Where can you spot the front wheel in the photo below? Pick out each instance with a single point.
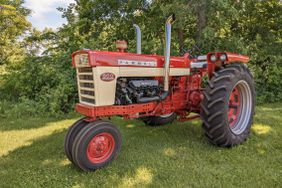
(96, 145)
(228, 106)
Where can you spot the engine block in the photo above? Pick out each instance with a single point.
(130, 91)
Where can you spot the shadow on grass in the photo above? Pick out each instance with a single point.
(8, 124)
(14, 139)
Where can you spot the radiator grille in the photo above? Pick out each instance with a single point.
(86, 89)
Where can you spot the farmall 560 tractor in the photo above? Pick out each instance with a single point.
(157, 90)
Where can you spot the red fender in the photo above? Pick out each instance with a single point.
(231, 57)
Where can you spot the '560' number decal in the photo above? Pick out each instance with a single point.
(107, 76)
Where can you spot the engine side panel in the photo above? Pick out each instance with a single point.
(105, 91)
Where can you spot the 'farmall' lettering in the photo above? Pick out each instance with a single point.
(137, 63)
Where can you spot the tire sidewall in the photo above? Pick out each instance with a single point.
(70, 136)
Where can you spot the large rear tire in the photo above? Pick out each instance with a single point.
(228, 106)
(96, 145)
(160, 120)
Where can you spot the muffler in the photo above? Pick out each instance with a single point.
(169, 22)
(165, 93)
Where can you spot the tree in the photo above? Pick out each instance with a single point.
(13, 24)
(45, 76)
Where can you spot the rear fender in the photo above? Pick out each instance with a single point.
(231, 58)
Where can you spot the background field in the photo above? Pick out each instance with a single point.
(31, 155)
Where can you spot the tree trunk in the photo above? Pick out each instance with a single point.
(201, 19)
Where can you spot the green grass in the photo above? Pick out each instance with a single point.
(31, 155)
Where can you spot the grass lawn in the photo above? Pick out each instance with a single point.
(178, 155)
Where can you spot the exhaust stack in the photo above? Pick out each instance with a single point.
(169, 22)
(165, 93)
(138, 35)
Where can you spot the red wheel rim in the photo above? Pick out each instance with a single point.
(234, 107)
(100, 148)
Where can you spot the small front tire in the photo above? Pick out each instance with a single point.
(96, 145)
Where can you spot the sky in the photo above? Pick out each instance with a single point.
(44, 12)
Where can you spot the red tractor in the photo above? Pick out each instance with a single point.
(217, 87)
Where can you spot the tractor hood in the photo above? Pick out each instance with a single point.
(100, 58)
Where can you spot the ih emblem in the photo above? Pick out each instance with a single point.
(107, 76)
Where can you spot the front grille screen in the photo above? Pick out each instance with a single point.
(86, 87)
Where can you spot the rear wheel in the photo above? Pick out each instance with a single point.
(160, 120)
(228, 106)
(96, 145)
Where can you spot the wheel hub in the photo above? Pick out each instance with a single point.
(240, 107)
(100, 148)
(234, 107)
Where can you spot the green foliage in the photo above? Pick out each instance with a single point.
(37, 69)
(268, 79)
(24, 108)
(13, 23)
(44, 81)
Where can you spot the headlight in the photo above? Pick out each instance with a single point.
(223, 57)
(213, 58)
(81, 60)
